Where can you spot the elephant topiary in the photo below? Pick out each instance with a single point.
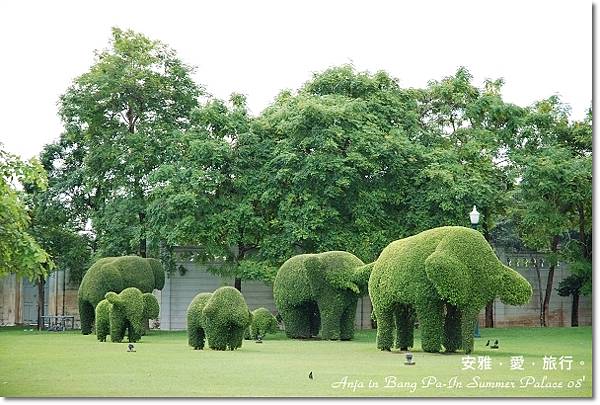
(220, 317)
(444, 277)
(319, 292)
(263, 322)
(115, 274)
(123, 313)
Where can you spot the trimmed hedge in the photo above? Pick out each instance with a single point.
(447, 275)
(263, 322)
(319, 292)
(126, 314)
(221, 318)
(115, 274)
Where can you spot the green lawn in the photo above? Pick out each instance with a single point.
(69, 364)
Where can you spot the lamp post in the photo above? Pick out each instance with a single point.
(474, 217)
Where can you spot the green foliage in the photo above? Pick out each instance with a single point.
(112, 274)
(447, 275)
(121, 118)
(196, 321)
(263, 322)
(221, 317)
(151, 306)
(209, 195)
(317, 292)
(127, 314)
(19, 252)
(103, 320)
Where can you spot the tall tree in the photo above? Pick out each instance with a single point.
(467, 131)
(342, 164)
(120, 118)
(20, 253)
(556, 183)
(209, 194)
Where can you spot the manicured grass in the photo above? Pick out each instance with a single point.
(69, 364)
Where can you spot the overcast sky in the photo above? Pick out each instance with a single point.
(540, 48)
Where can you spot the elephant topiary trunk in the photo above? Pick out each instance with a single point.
(318, 293)
(443, 277)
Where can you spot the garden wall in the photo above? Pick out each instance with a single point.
(18, 297)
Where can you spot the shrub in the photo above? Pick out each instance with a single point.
(126, 314)
(319, 292)
(263, 322)
(447, 275)
(115, 274)
(221, 318)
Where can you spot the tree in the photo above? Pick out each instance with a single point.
(208, 195)
(20, 253)
(556, 184)
(341, 165)
(467, 131)
(120, 118)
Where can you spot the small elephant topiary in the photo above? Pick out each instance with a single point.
(443, 277)
(220, 317)
(115, 274)
(263, 322)
(319, 292)
(124, 313)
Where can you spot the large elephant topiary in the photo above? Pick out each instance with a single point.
(444, 276)
(115, 274)
(124, 313)
(220, 317)
(319, 292)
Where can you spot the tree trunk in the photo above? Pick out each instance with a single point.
(539, 282)
(40, 302)
(575, 310)
(550, 283)
(142, 249)
(585, 249)
(238, 284)
(489, 314)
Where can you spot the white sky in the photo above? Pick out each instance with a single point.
(258, 48)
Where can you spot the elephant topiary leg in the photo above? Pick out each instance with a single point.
(385, 328)
(314, 319)
(431, 320)
(102, 320)
(347, 321)
(297, 321)
(468, 321)
(452, 329)
(86, 314)
(118, 326)
(134, 331)
(196, 337)
(236, 337)
(405, 326)
(331, 309)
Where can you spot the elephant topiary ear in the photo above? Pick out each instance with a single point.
(113, 298)
(514, 289)
(450, 277)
